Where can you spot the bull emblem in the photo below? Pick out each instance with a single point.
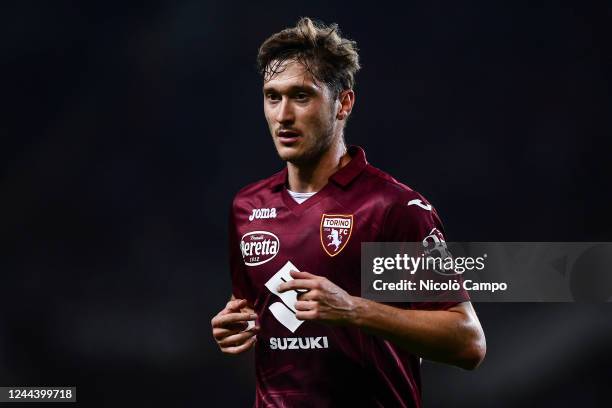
(336, 240)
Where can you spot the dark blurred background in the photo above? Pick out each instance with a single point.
(128, 127)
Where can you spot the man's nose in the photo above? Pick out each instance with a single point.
(285, 112)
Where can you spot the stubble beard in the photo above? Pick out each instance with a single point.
(320, 145)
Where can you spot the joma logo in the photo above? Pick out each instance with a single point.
(259, 213)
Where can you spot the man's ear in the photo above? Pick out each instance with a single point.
(346, 101)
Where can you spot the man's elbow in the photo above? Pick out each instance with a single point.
(474, 352)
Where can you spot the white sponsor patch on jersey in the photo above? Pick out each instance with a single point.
(419, 203)
(258, 247)
(434, 241)
(435, 247)
(284, 311)
(262, 213)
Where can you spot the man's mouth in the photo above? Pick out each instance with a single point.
(288, 136)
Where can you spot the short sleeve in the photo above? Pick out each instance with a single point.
(416, 220)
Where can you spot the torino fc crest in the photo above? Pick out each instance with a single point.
(335, 232)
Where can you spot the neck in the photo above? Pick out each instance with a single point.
(312, 177)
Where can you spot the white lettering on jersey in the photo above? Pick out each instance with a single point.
(419, 203)
(298, 343)
(337, 222)
(259, 213)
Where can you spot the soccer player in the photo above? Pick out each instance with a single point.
(295, 241)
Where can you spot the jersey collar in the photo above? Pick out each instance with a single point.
(342, 177)
(348, 173)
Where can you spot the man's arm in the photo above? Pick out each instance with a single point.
(453, 336)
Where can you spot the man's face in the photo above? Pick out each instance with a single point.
(301, 113)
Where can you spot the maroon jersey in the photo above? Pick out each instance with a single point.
(305, 363)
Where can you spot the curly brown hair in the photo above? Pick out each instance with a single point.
(327, 56)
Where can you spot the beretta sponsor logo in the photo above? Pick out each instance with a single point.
(258, 247)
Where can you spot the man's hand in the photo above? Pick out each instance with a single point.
(319, 299)
(229, 324)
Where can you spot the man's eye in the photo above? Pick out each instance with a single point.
(273, 97)
(301, 96)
